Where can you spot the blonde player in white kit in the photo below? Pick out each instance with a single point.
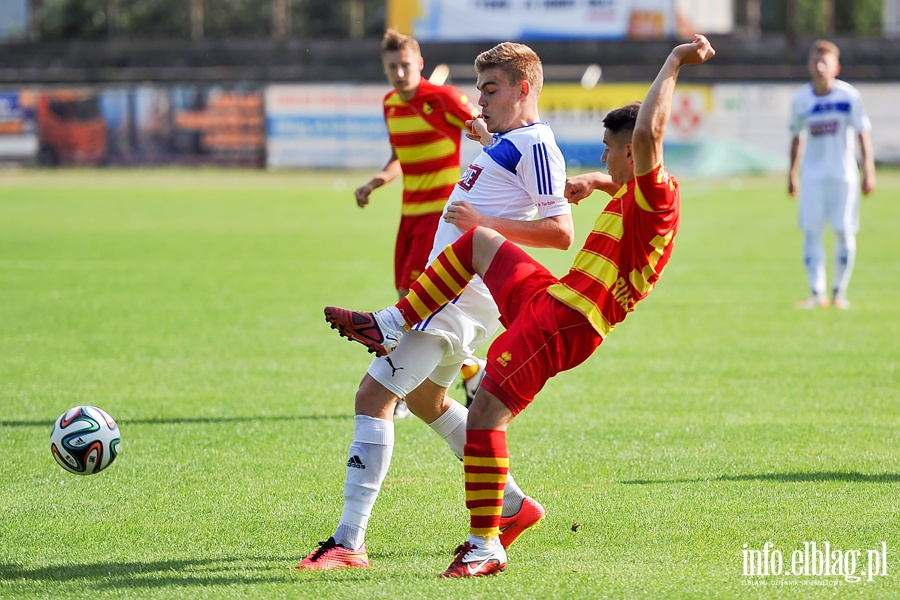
(518, 176)
(826, 113)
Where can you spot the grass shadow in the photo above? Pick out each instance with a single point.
(814, 476)
(223, 571)
(210, 571)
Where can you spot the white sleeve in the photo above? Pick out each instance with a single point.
(543, 172)
(861, 121)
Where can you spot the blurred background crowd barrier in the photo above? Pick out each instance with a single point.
(292, 84)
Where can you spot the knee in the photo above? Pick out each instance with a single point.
(373, 400)
(845, 238)
(428, 401)
(812, 237)
(485, 234)
(488, 412)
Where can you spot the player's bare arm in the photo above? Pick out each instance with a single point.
(552, 232)
(647, 139)
(388, 173)
(794, 172)
(868, 158)
(579, 187)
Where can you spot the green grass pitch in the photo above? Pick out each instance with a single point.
(188, 304)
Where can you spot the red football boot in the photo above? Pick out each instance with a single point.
(372, 330)
(472, 561)
(529, 516)
(331, 555)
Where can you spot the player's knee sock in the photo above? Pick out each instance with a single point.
(486, 464)
(442, 281)
(367, 464)
(452, 427)
(844, 258)
(814, 260)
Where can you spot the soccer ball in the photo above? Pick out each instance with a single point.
(84, 440)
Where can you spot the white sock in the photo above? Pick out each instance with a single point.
(814, 259)
(482, 542)
(844, 258)
(367, 464)
(393, 314)
(513, 496)
(452, 427)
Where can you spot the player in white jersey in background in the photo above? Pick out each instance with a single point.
(518, 176)
(825, 115)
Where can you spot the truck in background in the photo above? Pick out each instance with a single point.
(71, 128)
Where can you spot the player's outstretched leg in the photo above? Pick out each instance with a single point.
(442, 281)
(486, 465)
(380, 331)
(519, 512)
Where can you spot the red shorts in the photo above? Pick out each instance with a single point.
(543, 336)
(415, 238)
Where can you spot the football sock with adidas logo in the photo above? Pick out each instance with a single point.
(442, 281)
(367, 464)
(485, 464)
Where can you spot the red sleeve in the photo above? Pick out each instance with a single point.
(458, 104)
(656, 191)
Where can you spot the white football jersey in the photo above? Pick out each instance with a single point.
(830, 124)
(522, 174)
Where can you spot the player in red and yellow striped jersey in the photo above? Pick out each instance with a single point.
(552, 324)
(425, 124)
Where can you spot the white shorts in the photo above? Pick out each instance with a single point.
(436, 348)
(836, 201)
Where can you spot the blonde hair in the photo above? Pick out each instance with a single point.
(825, 47)
(394, 41)
(517, 61)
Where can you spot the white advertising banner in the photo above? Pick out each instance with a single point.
(717, 130)
(326, 126)
(473, 20)
(332, 127)
(18, 129)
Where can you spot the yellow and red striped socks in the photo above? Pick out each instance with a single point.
(486, 463)
(442, 281)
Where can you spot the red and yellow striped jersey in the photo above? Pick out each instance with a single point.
(626, 251)
(426, 133)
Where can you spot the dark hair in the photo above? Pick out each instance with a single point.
(394, 40)
(622, 119)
